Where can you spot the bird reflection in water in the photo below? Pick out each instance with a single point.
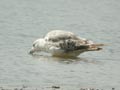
(65, 60)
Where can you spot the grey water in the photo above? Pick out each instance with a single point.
(23, 21)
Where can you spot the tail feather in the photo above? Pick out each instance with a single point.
(95, 47)
(92, 47)
(98, 45)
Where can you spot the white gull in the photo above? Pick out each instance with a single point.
(63, 44)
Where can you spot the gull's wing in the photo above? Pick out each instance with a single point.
(78, 45)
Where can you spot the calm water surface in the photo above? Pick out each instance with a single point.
(23, 21)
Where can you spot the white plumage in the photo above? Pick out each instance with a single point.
(64, 44)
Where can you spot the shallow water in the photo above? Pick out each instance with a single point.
(23, 21)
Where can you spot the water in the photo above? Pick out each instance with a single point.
(23, 21)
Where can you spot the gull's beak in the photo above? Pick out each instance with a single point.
(32, 50)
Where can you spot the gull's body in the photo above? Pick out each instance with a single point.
(64, 44)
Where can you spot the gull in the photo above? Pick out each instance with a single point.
(64, 44)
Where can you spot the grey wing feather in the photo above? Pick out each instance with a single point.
(71, 45)
(58, 35)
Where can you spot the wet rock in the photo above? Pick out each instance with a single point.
(56, 87)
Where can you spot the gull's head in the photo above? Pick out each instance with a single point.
(38, 45)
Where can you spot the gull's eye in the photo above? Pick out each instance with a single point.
(34, 45)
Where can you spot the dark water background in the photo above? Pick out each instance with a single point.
(23, 21)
